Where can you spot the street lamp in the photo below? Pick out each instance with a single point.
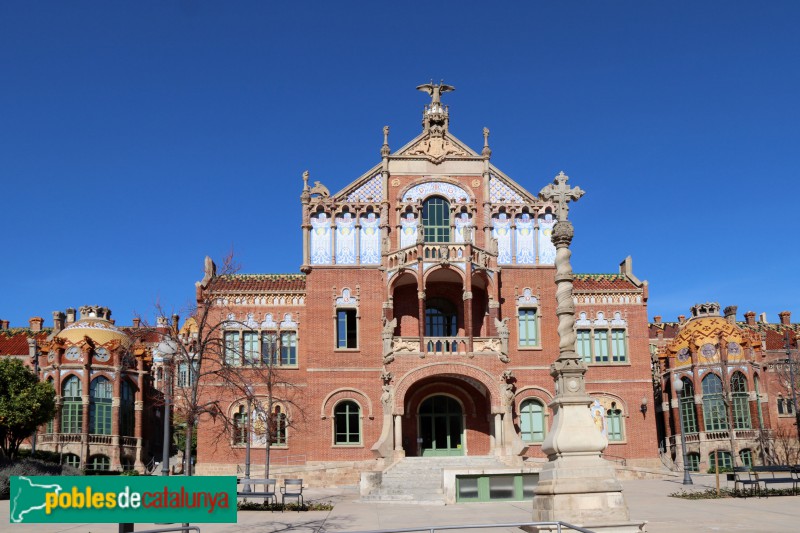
(677, 386)
(33, 351)
(167, 349)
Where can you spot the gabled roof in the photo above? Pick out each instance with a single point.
(259, 283)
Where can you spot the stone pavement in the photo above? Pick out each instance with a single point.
(647, 499)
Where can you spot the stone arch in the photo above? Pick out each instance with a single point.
(425, 275)
(532, 392)
(434, 389)
(605, 398)
(416, 375)
(345, 393)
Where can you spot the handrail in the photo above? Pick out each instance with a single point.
(559, 525)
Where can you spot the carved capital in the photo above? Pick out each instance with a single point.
(467, 295)
(562, 233)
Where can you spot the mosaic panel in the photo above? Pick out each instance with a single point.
(371, 191)
(423, 190)
(500, 192)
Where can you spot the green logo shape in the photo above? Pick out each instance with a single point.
(106, 499)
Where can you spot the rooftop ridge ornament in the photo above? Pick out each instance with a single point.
(435, 116)
(561, 194)
(435, 91)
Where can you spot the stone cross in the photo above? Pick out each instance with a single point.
(561, 194)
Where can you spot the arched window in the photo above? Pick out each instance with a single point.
(72, 406)
(531, 421)
(746, 457)
(713, 404)
(126, 409)
(100, 406)
(687, 407)
(347, 423)
(99, 462)
(614, 423)
(72, 460)
(741, 407)
(693, 462)
(436, 219)
(240, 429)
(440, 318)
(280, 423)
(724, 460)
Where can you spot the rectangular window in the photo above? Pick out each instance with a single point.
(584, 345)
(527, 328)
(269, 348)
(240, 428)
(600, 346)
(72, 417)
(251, 355)
(232, 349)
(346, 335)
(693, 462)
(183, 375)
(289, 348)
(619, 353)
(614, 424)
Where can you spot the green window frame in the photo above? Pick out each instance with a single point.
(100, 406)
(714, 413)
(233, 351)
(687, 407)
(746, 457)
(346, 329)
(693, 462)
(528, 327)
(600, 346)
(441, 318)
(126, 409)
(347, 423)
(496, 487)
(725, 460)
(532, 420)
(99, 463)
(72, 406)
(269, 348)
(614, 427)
(619, 350)
(436, 219)
(281, 424)
(289, 348)
(584, 344)
(72, 460)
(251, 347)
(741, 402)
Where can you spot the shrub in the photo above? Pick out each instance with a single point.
(30, 467)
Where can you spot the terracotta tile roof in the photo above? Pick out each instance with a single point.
(259, 282)
(14, 341)
(776, 340)
(595, 282)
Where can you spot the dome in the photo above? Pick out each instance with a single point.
(95, 324)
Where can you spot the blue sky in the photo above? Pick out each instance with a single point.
(138, 137)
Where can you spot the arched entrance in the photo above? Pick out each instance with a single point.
(441, 426)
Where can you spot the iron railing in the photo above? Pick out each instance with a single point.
(559, 527)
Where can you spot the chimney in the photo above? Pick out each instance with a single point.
(175, 320)
(750, 318)
(786, 318)
(730, 314)
(36, 323)
(137, 322)
(58, 321)
(3, 324)
(657, 319)
(681, 319)
(70, 315)
(763, 318)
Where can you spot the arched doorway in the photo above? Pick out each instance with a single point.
(441, 426)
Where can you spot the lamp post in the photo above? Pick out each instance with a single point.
(167, 348)
(33, 351)
(677, 386)
(249, 391)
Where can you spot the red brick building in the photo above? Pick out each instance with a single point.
(424, 321)
(736, 400)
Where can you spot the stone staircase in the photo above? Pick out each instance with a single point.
(419, 479)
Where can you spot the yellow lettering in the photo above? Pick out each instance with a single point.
(111, 500)
(97, 499)
(64, 500)
(50, 501)
(77, 498)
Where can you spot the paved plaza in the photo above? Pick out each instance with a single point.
(647, 499)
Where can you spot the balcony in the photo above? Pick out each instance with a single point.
(77, 438)
(722, 435)
(441, 346)
(442, 251)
